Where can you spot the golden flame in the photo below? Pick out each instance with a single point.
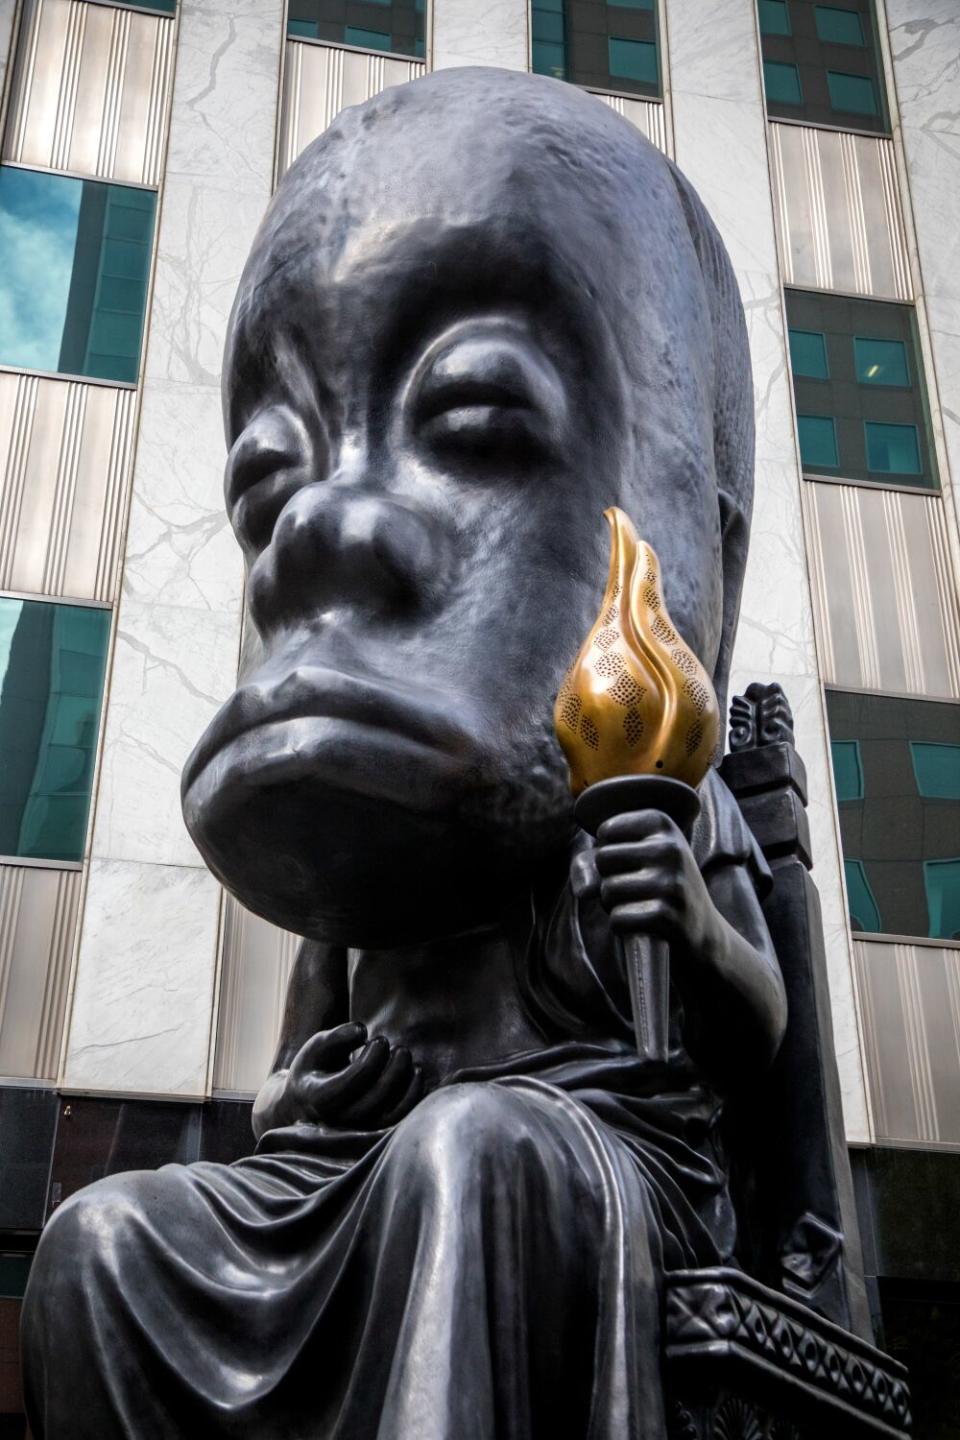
(636, 700)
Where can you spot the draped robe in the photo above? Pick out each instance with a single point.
(491, 1266)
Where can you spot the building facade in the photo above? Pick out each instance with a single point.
(139, 146)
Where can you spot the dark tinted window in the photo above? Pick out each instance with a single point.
(370, 24)
(861, 407)
(821, 63)
(897, 770)
(52, 660)
(605, 47)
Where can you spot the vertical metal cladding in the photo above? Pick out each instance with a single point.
(884, 590)
(647, 115)
(65, 456)
(910, 1000)
(320, 81)
(838, 213)
(256, 964)
(90, 90)
(38, 913)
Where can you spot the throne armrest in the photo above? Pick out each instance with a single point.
(728, 1334)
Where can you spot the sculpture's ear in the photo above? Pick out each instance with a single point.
(734, 539)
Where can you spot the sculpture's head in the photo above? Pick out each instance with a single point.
(481, 308)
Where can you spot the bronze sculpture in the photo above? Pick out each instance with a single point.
(480, 308)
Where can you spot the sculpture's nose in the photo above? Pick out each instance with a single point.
(342, 542)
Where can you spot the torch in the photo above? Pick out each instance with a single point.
(638, 721)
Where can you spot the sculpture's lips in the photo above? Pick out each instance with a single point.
(323, 694)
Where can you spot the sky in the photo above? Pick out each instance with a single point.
(38, 231)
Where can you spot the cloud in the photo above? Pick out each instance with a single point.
(38, 231)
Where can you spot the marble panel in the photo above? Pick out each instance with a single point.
(8, 9)
(224, 104)
(173, 667)
(772, 391)
(205, 236)
(925, 45)
(711, 58)
(180, 548)
(143, 1001)
(481, 32)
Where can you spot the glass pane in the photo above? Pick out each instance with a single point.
(395, 26)
(548, 59)
(864, 912)
(818, 441)
(163, 7)
(633, 60)
(856, 94)
(847, 770)
(903, 831)
(881, 362)
(63, 243)
(782, 82)
(838, 27)
(808, 354)
(631, 4)
(774, 17)
(942, 881)
(937, 768)
(893, 449)
(369, 39)
(52, 661)
(548, 26)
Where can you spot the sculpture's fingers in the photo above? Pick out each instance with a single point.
(634, 825)
(328, 1049)
(346, 1087)
(405, 1104)
(386, 1090)
(637, 855)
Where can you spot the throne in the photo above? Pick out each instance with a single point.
(782, 1349)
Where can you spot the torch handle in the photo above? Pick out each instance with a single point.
(647, 960)
(647, 957)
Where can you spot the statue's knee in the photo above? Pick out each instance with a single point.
(464, 1133)
(81, 1238)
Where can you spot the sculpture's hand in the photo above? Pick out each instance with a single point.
(651, 884)
(324, 1085)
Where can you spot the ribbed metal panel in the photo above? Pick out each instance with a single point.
(910, 1002)
(647, 115)
(65, 453)
(255, 966)
(884, 592)
(837, 208)
(320, 81)
(90, 90)
(38, 916)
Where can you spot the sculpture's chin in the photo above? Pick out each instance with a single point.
(351, 838)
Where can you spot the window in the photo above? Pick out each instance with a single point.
(855, 94)
(847, 770)
(937, 769)
(52, 661)
(808, 354)
(867, 378)
(941, 879)
(881, 362)
(782, 82)
(821, 63)
(893, 449)
(818, 442)
(74, 266)
(633, 60)
(900, 833)
(606, 47)
(774, 17)
(164, 7)
(838, 27)
(395, 26)
(864, 915)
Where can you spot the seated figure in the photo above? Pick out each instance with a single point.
(481, 308)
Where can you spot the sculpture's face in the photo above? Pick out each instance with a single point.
(468, 325)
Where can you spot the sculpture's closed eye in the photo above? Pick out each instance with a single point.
(272, 458)
(486, 392)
